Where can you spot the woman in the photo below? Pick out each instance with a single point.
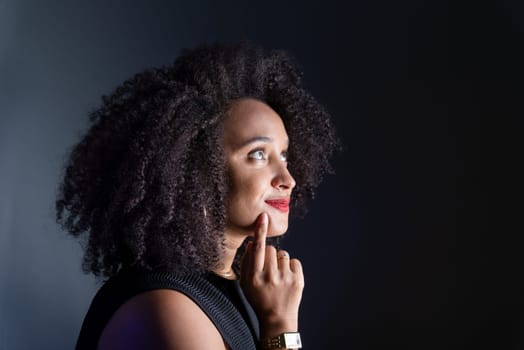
(182, 165)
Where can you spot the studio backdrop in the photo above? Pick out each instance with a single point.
(396, 247)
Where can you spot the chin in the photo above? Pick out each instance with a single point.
(276, 230)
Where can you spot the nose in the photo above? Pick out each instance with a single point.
(283, 179)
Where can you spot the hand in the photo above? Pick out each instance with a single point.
(272, 283)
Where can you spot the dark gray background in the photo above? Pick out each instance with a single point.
(399, 248)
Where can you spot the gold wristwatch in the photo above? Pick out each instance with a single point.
(288, 340)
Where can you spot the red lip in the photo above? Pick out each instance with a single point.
(281, 204)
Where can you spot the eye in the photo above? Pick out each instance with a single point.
(283, 156)
(257, 154)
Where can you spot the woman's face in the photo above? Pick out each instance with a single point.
(255, 143)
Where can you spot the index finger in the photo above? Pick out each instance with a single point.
(259, 251)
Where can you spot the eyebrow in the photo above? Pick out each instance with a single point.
(265, 139)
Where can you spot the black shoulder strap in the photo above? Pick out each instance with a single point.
(118, 290)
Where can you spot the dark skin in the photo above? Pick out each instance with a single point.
(272, 282)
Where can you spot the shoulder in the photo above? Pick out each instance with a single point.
(160, 319)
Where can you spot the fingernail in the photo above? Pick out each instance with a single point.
(263, 218)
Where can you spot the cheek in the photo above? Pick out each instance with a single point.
(245, 202)
(248, 190)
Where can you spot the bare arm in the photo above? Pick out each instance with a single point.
(160, 319)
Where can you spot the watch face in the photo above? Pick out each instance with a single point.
(292, 340)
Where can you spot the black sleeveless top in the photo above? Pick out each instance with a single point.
(222, 300)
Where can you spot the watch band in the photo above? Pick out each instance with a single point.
(288, 340)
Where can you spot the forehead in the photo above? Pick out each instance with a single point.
(248, 118)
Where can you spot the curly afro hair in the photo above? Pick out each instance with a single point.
(136, 185)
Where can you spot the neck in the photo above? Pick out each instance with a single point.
(225, 267)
